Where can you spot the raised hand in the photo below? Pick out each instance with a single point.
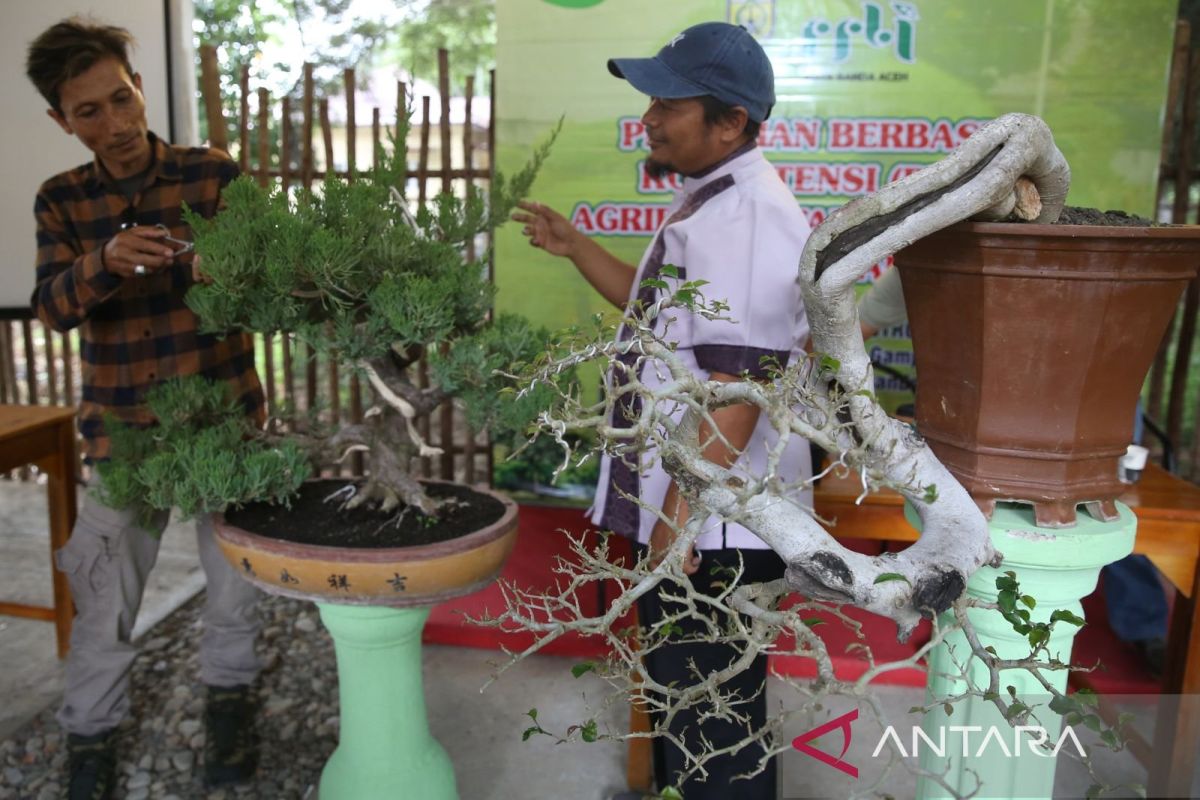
(547, 229)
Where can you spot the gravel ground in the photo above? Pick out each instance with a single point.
(161, 745)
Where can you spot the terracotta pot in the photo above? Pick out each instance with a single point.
(400, 577)
(1032, 343)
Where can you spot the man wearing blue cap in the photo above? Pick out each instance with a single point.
(735, 225)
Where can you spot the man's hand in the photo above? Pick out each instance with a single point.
(661, 539)
(139, 246)
(547, 229)
(554, 233)
(197, 275)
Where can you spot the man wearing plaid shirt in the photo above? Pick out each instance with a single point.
(107, 236)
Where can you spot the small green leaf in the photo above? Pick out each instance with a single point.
(892, 576)
(1007, 601)
(1038, 637)
(1062, 615)
(948, 708)
(588, 731)
(583, 668)
(531, 730)
(670, 270)
(828, 363)
(1016, 709)
(532, 714)
(931, 493)
(671, 793)
(916, 710)
(1029, 601)
(812, 622)
(991, 650)
(1062, 704)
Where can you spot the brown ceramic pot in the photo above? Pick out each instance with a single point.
(399, 577)
(1032, 343)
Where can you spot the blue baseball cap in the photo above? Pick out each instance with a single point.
(713, 58)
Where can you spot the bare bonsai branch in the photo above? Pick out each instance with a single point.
(1009, 168)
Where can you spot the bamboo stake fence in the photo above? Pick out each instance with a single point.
(37, 365)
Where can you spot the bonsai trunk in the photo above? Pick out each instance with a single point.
(390, 438)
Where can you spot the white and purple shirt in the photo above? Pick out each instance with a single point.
(738, 227)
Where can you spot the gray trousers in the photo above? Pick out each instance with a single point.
(106, 561)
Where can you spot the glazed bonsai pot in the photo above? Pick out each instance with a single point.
(397, 577)
(1031, 345)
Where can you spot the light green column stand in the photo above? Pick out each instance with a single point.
(1058, 567)
(385, 750)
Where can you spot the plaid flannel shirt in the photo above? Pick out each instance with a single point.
(134, 332)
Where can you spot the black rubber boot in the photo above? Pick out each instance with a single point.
(91, 766)
(230, 744)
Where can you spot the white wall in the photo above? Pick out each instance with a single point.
(34, 148)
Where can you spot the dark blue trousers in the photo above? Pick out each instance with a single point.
(673, 662)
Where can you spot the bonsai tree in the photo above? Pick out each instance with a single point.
(1009, 168)
(351, 271)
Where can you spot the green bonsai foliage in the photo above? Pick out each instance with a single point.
(203, 455)
(351, 271)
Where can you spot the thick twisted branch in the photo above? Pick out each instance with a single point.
(978, 176)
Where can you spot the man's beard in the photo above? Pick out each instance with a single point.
(658, 169)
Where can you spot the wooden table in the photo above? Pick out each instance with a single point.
(45, 436)
(1168, 512)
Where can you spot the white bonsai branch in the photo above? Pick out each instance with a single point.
(1008, 167)
(406, 409)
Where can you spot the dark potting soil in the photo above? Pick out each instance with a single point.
(1074, 215)
(312, 519)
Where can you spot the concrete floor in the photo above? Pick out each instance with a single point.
(482, 732)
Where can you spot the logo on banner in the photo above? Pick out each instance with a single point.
(756, 16)
(872, 28)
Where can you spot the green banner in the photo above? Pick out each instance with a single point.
(867, 92)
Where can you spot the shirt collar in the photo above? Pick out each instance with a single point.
(163, 165)
(745, 154)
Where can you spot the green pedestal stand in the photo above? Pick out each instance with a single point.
(1058, 567)
(385, 749)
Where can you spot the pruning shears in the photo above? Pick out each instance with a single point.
(181, 246)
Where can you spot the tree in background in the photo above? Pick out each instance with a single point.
(275, 38)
